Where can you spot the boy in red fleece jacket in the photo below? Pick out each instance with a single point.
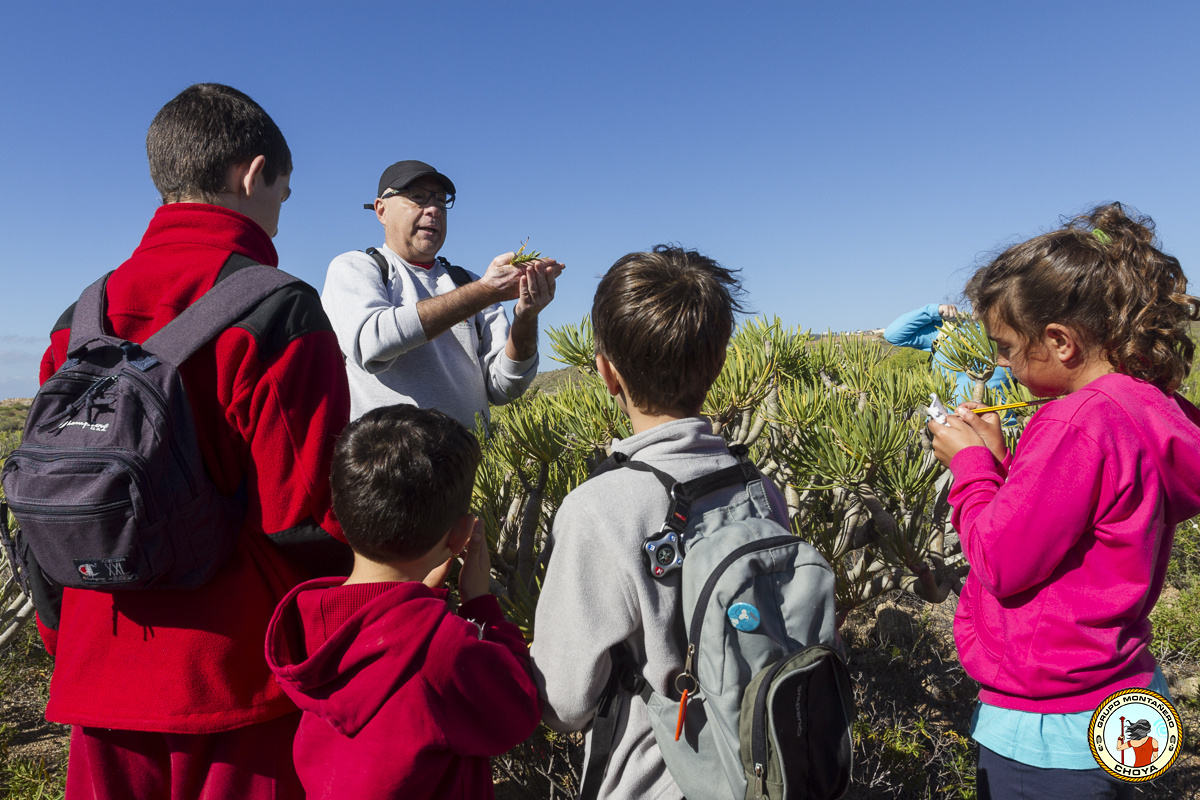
(401, 696)
(166, 690)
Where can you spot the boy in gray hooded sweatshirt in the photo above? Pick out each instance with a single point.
(662, 322)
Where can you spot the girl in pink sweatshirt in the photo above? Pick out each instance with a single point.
(1068, 538)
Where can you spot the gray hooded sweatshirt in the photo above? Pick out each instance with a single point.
(597, 593)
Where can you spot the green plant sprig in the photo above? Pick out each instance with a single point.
(521, 257)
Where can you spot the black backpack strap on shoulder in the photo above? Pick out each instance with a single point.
(217, 309)
(623, 677)
(742, 472)
(457, 274)
(89, 320)
(461, 278)
(381, 261)
(608, 464)
(619, 459)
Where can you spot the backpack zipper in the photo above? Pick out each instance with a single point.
(152, 393)
(89, 456)
(701, 608)
(758, 732)
(86, 510)
(97, 386)
(149, 391)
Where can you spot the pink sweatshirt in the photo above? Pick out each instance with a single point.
(1068, 542)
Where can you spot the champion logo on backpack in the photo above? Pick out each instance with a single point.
(99, 427)
(106, 571)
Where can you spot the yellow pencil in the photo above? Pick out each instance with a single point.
(1020, 404)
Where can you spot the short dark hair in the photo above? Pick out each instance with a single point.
(207, 128)
(401, 477)
(664, 319)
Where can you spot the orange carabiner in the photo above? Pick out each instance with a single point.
(682, 714)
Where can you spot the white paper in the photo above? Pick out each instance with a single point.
(938, 411)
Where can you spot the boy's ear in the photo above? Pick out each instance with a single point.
(460, 533)
(608, 374)
(240, 178)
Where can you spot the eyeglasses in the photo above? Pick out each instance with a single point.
(422, 197)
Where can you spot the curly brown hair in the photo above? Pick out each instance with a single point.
(1102, 275)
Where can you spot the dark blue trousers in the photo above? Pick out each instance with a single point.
(1000, 778)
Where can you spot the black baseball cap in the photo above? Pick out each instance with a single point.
(402, 173)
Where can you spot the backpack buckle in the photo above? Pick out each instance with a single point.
(666, 550)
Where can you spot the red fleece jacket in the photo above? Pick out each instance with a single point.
(269, 397)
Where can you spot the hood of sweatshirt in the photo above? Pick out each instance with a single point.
(381, 646)
(1169, 427)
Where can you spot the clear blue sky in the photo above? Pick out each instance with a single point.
(853, 159)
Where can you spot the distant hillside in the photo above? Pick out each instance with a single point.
(550, 382)
(12, 414)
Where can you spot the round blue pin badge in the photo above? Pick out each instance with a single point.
(743, 616)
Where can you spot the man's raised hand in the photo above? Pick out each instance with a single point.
(536, 287)
(503, 278)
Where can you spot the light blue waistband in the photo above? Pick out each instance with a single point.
(1050, 741)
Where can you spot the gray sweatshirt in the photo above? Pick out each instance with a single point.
(597, 593)
(388, 358)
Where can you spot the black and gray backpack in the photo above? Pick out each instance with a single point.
(764, 706)
(108, 485)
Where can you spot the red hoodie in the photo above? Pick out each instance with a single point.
(401, 697)
(269, 398)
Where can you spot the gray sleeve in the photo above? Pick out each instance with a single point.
(506, 379)
(371, 330)
(586, 606)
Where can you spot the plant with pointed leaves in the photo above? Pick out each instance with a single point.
(837, 428)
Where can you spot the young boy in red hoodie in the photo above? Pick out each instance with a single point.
(403, 697)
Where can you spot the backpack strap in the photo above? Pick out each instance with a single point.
(90, 319)
(380, 262)
(624, 676)
(619, 459)
(683, 495)
(457, 274)
(217, 309)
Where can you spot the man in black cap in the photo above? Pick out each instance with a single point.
(414, 328)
